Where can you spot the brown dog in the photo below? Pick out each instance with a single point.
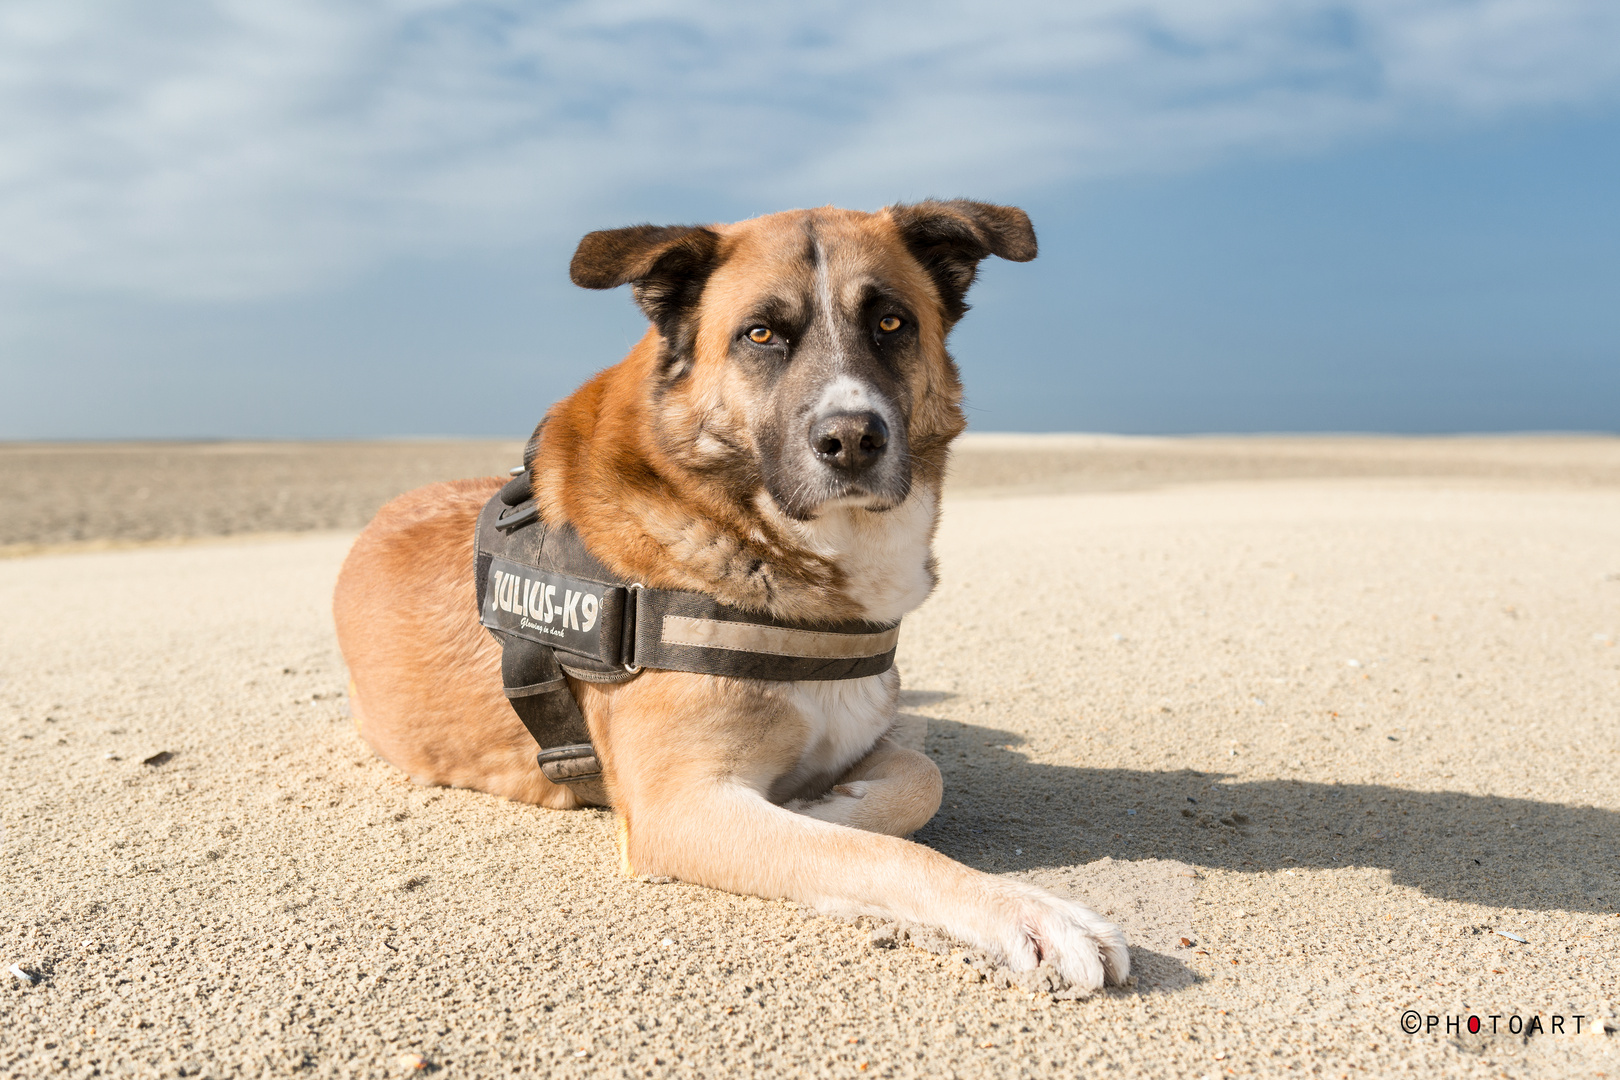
(777, 441)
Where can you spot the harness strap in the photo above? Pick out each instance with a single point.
(630, 627)
(539, 694)
(683, 631)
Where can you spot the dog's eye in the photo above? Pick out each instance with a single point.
(761, 335)
(890, 323)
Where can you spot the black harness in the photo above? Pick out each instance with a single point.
(556, 610)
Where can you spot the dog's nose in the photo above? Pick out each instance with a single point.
(849, 441)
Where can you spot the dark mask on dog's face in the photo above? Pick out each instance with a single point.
(802, 354)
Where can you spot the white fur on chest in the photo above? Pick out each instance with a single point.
(843, 719)
(885, 561)
(884, 555)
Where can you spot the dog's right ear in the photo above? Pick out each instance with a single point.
(665, 265)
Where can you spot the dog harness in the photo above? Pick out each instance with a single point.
(557, 611)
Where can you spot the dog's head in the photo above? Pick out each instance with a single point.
(803, 354)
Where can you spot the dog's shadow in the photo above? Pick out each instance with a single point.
(1004, 813)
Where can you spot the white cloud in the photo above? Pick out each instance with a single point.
(243, 148)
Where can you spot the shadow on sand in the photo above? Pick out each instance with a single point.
(1477, 849)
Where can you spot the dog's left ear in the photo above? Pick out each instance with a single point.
(665, 265)
(950, 238)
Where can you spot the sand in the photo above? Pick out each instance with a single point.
(74, 496)
(78, 495)
(1313, 729)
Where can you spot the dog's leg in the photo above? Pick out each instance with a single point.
(725, 834)
(892, 790)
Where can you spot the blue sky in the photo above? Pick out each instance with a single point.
(303, 219)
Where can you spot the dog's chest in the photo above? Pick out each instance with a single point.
(882, 557)
(885, 562)
(843, 719)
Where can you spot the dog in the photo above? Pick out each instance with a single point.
(776, 441)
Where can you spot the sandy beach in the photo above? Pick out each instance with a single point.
(1331, 726)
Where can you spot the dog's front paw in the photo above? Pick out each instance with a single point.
(1087, 950)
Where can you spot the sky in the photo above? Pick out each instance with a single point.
(291, 219)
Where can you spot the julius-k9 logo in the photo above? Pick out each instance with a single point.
(523, 595)
(553, 609)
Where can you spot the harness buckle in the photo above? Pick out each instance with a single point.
(511, 517)
(630, 604)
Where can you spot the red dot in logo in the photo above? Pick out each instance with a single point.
(1473, 1025)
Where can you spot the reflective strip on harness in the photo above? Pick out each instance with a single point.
(685, 631)
(774, 640)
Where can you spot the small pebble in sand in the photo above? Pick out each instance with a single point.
(1513, 937)
(1352, 663)
(667, 942)
(158, 758)
(412, 1061)
(23, 975)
